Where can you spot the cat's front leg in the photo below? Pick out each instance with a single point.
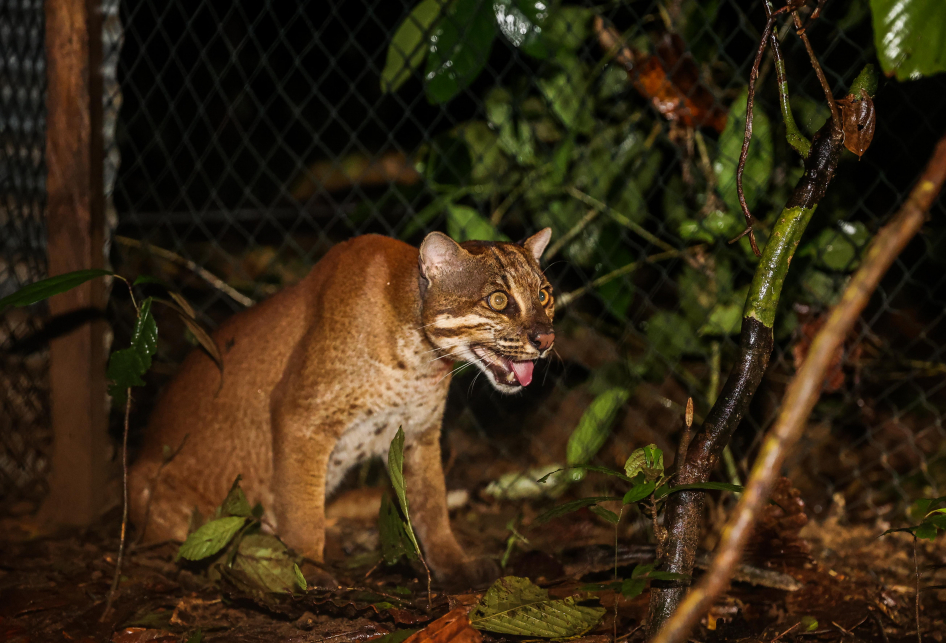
(300, 465)
(427, 499)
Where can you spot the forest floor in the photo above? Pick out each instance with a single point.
(849, 585)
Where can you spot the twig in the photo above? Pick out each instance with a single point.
(590, 216)
(880, 626)
(916, 567)
(835, 114)
(177, 259)
(795, 138)
(802, 395)
(785, 632)
(590, 201)
(121, 543)
(568, 297)
(744, 154)
(814, 16)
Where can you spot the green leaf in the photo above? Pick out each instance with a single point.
(567, 27)
(925, 531)
(147, 279)
(196, 637)
(265, 562)
(641, 571)
(594, 427)
(724, 320)
(516, 606)
(459, 47)
(809, 624)
(409, 44)
(718, 224)
(632, 587)
(910, 36)
(920, 507)
(489, 164)
(938, 520)
(46, 288)
(465, 223)
(838, 250)
(647, 460)
(704, 486)
(236, 503)
(566, 94)
(639, 492)
(521, 21)
(671, 336)
(758, 169)
(395, 541)
(822, 288)
(396, 468)
(589, 467)
(300, 579)
(607, 514)
(396, 473)
(515, 139)
(569, 507)
(211, 538)
(125, 367)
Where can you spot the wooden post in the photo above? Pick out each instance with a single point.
(75, 222)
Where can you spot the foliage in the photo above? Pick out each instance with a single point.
(232, 541)
(931, 514)
(910, 36)
(516, 606)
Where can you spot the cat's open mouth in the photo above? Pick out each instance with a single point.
(504, 370)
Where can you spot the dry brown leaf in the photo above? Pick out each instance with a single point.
(186, 312)
(858, 119)
(453, 627)
(670, 79)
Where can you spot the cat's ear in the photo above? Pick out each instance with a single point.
(438, 253)
(536, 243)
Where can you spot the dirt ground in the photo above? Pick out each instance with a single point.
(848, 583)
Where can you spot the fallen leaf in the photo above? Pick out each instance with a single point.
(517, 606)
(453, 627)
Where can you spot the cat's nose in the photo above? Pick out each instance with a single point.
(542, 341)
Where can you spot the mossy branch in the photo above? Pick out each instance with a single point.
(684, 509)
(803, 393)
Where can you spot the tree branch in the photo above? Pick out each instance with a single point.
(684, 509)
(804, 392)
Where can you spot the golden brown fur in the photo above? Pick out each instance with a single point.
(321, 376)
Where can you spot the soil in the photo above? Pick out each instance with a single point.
(854, 586)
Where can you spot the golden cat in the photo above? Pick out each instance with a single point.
(320, 377)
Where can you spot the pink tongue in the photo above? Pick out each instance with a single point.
(523, 371)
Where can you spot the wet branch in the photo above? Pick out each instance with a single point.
(684, 509)
(803, 393)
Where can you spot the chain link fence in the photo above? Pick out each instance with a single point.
(255, 135)
(24, 405)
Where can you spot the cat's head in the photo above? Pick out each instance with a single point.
(488, 303)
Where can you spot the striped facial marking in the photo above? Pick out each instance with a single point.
(488, 303)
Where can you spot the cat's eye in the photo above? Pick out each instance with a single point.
(498, 301)
(543, 296)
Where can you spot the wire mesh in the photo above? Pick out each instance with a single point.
(24, 415)
(255, 135)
